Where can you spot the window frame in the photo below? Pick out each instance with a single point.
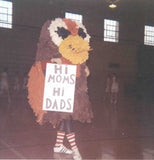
(111, 30)
(74, 16)
(149, 35)
(6, 14)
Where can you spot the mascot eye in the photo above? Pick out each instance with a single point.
(58, 31)
(62, 32)
(81, 33)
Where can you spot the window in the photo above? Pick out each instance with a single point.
(111, 30)
(5, 14)
(149, 35)
(74, 17)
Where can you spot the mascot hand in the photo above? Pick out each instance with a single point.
(56, 60)
(87, 71)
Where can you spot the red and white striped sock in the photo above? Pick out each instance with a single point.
(71, 139)
(60, 138)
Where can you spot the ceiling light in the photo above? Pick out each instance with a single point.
(112, 5)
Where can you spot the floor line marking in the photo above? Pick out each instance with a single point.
(12, 149)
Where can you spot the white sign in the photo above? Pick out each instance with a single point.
(59, 87)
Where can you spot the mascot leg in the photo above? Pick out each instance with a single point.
(66, 128)
(71, 138)
(59, 147)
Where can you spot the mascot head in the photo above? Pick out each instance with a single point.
(66, 38)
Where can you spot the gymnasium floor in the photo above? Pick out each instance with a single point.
(126, 132)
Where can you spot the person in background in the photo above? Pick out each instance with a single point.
(114, 89)
(16, 86)
(107, 88)
(4, 85)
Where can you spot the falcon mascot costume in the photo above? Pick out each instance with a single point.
(62, 41)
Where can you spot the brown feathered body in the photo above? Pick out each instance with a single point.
(46, 51)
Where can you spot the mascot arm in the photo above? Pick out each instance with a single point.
(87, 71)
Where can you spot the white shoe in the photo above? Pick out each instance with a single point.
(62, 149)
(76, 154)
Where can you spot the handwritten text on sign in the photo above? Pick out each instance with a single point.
(59, 87)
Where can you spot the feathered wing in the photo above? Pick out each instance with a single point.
(35, 90)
